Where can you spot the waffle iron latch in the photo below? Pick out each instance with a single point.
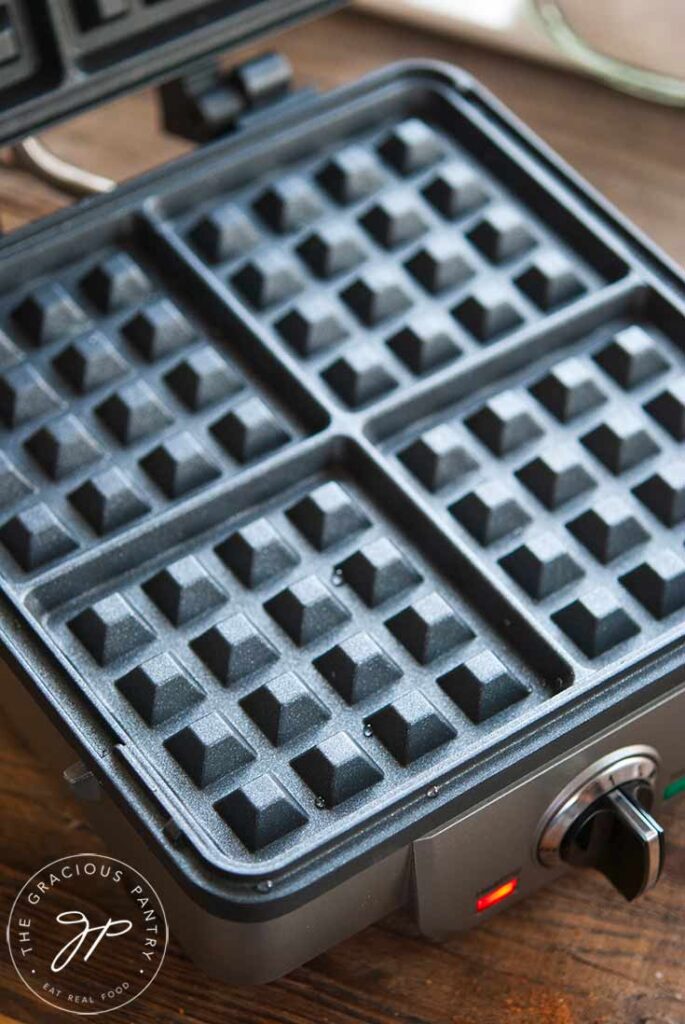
(210, 101)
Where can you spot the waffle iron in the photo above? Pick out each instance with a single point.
(342, 493)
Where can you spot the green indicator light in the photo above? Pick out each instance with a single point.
(674, 788)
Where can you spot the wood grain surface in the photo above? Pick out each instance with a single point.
(574, 954)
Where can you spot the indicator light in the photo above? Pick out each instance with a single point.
(496, 895)
(674, 788)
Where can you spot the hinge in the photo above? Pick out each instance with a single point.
(209, 101)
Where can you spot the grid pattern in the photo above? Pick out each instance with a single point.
(385, 261)
(305, 665)
(115, 402)
(571, 482)
(299, 634)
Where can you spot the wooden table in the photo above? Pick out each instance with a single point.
(575, 954)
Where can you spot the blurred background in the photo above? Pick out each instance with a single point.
(637, 45)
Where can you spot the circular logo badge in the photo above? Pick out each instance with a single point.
(87, 934)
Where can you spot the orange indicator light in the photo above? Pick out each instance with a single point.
(495, 896)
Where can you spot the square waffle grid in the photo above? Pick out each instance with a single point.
(117, 400)
(300, 668)
(385, 259)
(355, 759)
(568, 481)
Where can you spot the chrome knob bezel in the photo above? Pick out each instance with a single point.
(632, 764)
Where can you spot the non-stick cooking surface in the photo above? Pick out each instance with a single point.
(332, 463)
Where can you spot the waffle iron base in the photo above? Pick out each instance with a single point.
(342, 512)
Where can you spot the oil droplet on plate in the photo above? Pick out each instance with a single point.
(337, 577)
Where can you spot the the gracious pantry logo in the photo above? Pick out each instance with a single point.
(87, 934)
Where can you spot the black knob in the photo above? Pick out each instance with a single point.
(618, 836)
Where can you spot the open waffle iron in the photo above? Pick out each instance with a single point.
(342, 493)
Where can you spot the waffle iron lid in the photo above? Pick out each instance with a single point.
(59, 57)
